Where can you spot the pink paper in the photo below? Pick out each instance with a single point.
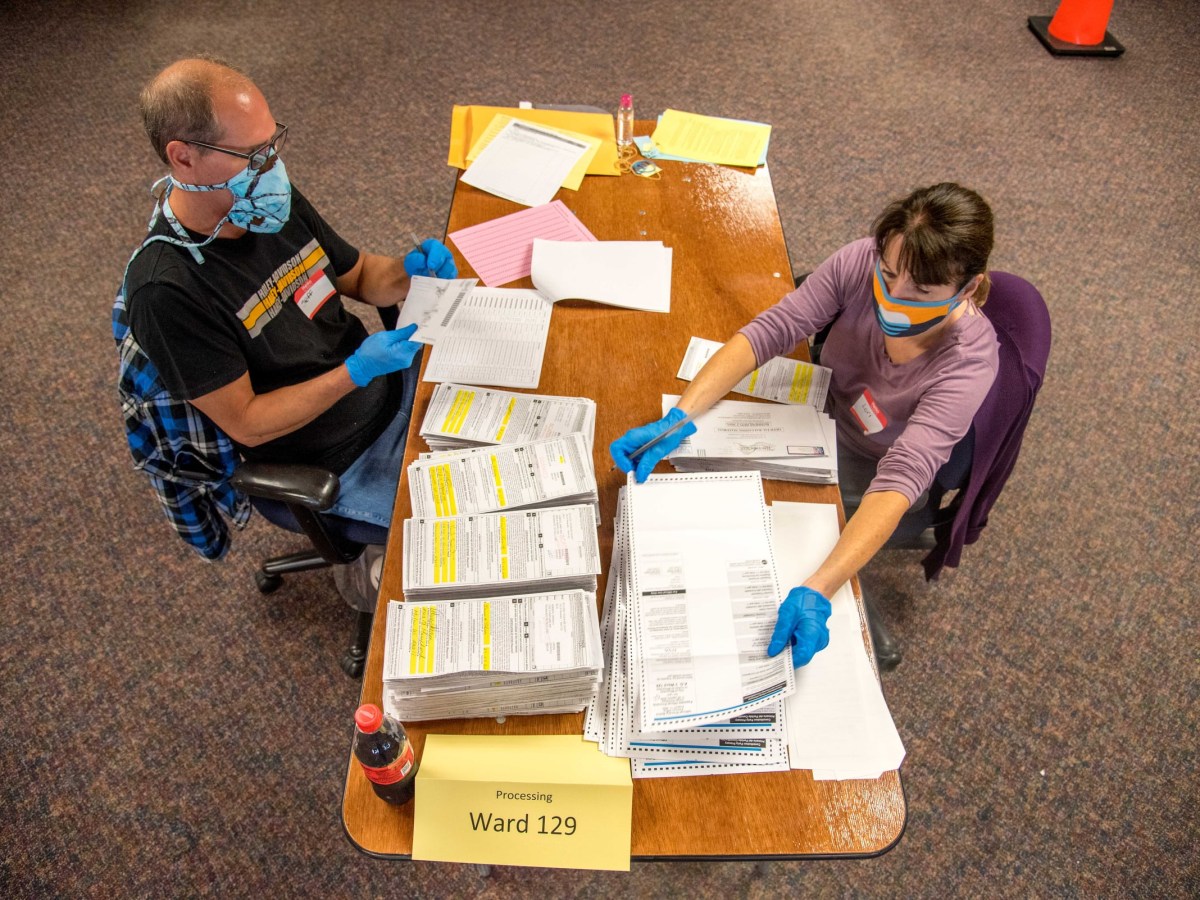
(501, 250)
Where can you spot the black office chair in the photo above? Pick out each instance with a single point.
(296, 498)
(1018, 313)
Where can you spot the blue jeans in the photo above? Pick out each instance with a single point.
(368, 487)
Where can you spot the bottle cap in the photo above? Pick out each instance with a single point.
(368, 718)
(626, 100)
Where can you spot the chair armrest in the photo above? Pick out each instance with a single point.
(311, 487)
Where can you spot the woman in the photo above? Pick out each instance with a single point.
(912, 360)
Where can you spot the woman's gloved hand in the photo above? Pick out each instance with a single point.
(801, 623)
(634, 438)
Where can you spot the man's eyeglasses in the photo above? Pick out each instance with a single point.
(257, 158)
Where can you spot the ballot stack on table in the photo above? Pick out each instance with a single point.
(527, 654)
(463, 415)
(699, 566)
(789, 439)
(500, 562)
(784, 443)
(691, 601)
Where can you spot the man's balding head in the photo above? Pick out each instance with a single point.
(177, 104)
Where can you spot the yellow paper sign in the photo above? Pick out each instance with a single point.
(467, 123)
(522, 800)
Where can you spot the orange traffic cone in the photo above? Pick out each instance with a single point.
(1081, 21)
(1078, 28)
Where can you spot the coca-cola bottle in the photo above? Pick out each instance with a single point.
(385, 754)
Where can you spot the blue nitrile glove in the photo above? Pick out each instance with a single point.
(434, 258)
(381, 353)
(801, 623)
(636, 437)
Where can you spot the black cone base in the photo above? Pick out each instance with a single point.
(1040, 26)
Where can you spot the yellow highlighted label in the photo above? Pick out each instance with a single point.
(424, 627)
(487, 637)
(442, 486)
(507, 415)
(753, 382)
(459, 410)
(801, 383)
(499, 482)
(504, 548)
(445, 552)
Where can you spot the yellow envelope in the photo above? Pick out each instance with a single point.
(574, 178)
(468, 123)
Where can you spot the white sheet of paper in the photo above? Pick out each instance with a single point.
(497, 336)
(838, 722)
(525, 163)
(431, 304)
(631, 274)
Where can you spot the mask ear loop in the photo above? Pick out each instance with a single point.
(627, 156)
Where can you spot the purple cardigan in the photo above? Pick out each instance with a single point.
(1022, 323)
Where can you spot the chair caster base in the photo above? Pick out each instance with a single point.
(353, 663)
(887, 658)
(267, 583)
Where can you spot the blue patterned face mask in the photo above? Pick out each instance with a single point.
(262, 199)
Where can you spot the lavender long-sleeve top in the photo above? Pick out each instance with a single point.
(928, 403)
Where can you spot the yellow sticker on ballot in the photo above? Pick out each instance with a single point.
(522, 800)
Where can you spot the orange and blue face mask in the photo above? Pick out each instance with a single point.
(904, 318)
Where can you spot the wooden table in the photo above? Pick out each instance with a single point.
(730, 262)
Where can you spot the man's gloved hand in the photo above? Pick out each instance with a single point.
(636, 437)
(381, 353)
(434, 258)
(802, 618)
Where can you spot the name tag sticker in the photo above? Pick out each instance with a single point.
(522, 800)
(870, 417)
(311, 295)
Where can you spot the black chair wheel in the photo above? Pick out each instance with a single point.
(267, 583)
(353, 664)
(887, 657)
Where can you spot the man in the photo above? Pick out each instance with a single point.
(235, 296)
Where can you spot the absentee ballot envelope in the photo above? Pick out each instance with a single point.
(468, 123)
(553, 801)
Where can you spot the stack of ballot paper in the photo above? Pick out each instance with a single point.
(497, 553)
(661, 638)
(462, 415)
(783, 442)
(517, 655)
(551, 472)
(690, 606)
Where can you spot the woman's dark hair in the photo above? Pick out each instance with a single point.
(946, 234)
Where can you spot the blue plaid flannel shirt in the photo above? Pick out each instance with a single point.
(188, 459)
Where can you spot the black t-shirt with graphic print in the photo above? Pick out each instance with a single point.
(246, 309)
